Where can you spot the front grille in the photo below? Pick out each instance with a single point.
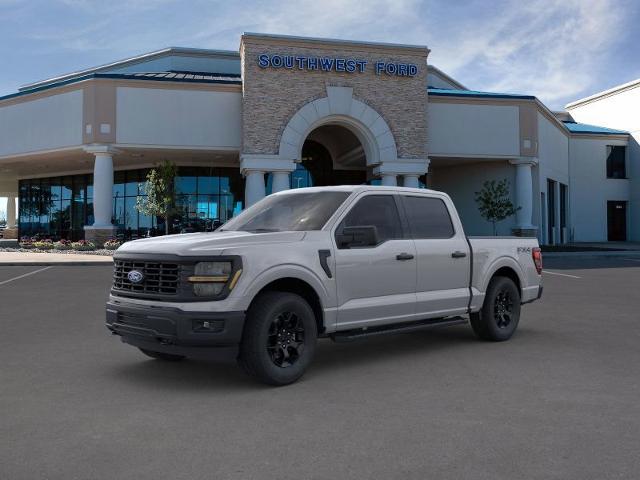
(158, 278)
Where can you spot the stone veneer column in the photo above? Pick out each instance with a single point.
(102, 228)
(524, 196)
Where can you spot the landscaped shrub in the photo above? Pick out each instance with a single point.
(83, 245)
(26, 242)
(62, 245)
(43, 244)
(112, 244)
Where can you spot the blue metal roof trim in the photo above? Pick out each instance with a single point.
(575, 127)
(445, 92)
(227, 79)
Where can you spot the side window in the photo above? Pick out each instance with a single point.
(379, 211)
(428, 217)
(616, 161)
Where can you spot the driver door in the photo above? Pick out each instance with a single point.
(376, 283)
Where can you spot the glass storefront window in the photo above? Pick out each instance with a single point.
(60, 207)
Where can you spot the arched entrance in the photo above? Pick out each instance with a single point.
(333, 155)
(335, 140)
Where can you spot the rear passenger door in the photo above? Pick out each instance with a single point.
(443, 257)
(376, 284)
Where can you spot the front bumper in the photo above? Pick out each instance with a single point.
(209, 335)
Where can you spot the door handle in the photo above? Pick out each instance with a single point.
(404, 256)
(458, 254)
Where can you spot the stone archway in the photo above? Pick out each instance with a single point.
(340, 108)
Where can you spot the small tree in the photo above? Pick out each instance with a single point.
(160, 193)
(494, 203)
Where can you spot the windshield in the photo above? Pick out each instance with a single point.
(299, 211)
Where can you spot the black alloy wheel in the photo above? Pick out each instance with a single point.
(498, 319)
(285, 343)
(279, 338)
(503, 309)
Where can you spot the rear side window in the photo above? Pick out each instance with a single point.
(428, 217)
(379, 211)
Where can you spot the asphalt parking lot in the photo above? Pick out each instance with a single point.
(558, 401)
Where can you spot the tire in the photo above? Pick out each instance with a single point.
(167, 357)
(279, 338)
(500, 314)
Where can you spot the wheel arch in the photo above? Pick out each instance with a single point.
(299, 287)
(505, 267)
(295, 279)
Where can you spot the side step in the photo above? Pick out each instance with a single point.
(350, 335)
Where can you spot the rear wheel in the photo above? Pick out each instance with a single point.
(162, 356)
(500, 314)
(279, 338)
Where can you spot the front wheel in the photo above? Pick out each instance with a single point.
(279, 338)
(498, 319)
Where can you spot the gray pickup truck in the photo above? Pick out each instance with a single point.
(339, 262)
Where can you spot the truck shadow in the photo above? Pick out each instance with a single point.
(196, 375)
(369, 351)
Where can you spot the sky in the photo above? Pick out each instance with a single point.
(558, 50)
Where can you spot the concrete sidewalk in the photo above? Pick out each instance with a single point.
(37, 259)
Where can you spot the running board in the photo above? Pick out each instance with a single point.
(350, 335)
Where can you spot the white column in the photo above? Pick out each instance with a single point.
(280, 181)
(411, 181)
(254, 189)
(524, 192)
(389, 179)
(103, 190)
(11, 212)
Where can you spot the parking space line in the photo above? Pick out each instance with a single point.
(561, 274)
(25, 275)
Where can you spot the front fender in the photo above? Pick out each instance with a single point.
(296, 271)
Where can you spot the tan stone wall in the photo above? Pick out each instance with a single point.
(271, 96)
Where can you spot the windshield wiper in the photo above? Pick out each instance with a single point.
(263, 230)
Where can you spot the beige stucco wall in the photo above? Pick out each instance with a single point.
(272, 96)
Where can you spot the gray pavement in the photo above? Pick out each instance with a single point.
(558, 401)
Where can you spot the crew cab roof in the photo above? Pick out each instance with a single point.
(355, 189)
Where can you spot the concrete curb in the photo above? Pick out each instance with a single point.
(617, 253)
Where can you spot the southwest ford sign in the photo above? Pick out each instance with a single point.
(334, 64)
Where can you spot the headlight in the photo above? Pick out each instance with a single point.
(210, 278)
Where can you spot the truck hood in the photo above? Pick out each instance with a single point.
(206, 242)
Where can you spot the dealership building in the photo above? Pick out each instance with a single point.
(289, 112)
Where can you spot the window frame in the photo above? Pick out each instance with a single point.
(408, 223)
(608, 150)
(338, 225)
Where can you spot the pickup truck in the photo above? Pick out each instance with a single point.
(342, 262)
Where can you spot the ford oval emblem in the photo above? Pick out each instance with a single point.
(135, 276)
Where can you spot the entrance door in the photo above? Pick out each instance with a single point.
(617, 221)
(377, 283)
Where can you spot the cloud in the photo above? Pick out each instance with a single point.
(558, 50)
(555, 50)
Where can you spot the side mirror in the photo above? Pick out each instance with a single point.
(358, 236)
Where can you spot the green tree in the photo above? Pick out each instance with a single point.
(494, 203)
(160, 193)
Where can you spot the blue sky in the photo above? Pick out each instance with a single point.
(557, 50)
